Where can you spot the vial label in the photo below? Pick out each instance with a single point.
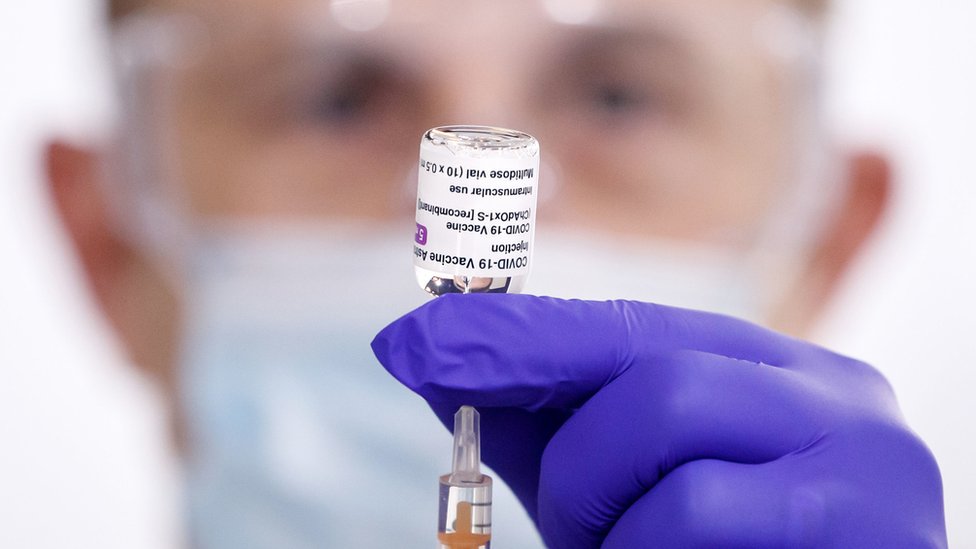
(475, 215)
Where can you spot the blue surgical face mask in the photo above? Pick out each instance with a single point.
(575, 264)
(298, 437)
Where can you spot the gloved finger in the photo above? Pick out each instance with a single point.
(720, 504)
(673, 409)
(534, 352)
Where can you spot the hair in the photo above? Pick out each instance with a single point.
(118, 9)
(816, 9)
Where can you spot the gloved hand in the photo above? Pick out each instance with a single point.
(636, 425)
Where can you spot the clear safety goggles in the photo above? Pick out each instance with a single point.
(664, 119)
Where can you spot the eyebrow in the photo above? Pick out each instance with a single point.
(651, 34)
(654, 39)
(239, 64)
(658, 43)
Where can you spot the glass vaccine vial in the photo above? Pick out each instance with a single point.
(477, 193)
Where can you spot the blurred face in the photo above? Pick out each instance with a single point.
(664, 118)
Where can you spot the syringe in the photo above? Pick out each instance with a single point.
(464, 521)
(477, 192)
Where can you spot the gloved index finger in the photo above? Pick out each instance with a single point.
(537, 352)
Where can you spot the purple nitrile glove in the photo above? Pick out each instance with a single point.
(636, 425)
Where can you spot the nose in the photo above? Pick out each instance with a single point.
(484, 90)
(483, 64)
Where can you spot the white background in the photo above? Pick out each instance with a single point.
(83, 461)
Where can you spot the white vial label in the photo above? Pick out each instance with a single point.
(475, 210)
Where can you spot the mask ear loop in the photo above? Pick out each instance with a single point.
(812, 181)
(149, 49)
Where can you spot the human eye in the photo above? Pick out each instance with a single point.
(357, 94)
(615, 83)
(616, 98)
(321, 92)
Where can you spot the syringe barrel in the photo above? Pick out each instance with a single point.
(464, 519)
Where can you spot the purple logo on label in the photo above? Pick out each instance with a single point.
(421, 236)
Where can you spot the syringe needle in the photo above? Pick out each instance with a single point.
(467, 446)
(465, 507)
